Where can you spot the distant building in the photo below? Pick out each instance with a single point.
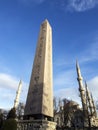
(70, 116)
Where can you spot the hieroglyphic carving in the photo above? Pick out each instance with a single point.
(48, 77)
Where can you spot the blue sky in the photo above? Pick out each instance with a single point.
(75, 36)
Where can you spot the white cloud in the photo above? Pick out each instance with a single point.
(66, 85)
(8, 87)
(88, 54)
(93, 86)
(65, 78)
(81, 5)
(70, 93)
(70, 5)
(65, 81)
(91, 53)
(8, 81)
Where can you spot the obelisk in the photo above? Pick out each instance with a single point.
(39, 104)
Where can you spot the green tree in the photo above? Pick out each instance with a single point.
(1, 120)
(10, 124)
(12, 114)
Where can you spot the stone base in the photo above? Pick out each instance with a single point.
(36, 125)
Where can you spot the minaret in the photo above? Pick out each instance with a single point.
(94, 108)
(39, 104)
(88, 96)
(16, 101)
(81, 89)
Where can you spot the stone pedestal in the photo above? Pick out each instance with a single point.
(36, 125)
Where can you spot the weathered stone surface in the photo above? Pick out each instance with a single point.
(36, 125)
(40, 94)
